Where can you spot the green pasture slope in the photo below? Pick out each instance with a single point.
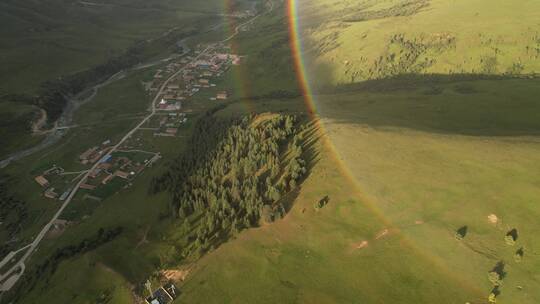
(444, 155)
(425, 167)
(351, 41)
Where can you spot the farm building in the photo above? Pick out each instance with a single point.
(42, 181)
(107, 179)
(163, 295)
(171, 131)
(50, 193)
(104, 166)
(94, 173)
(121, 174)
(86, 154)
(222, 95)
(87, 186)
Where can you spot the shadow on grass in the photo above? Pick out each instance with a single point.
(476, 105)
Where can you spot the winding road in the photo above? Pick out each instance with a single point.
(11, 276)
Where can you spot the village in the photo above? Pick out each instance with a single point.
(115, 170)
(193, 74)
(196, 75)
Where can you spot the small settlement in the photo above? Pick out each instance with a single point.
(194, 75)
(53, 185)
(123, 166)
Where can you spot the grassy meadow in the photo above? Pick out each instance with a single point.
(352, 41)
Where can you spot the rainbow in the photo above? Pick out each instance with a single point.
(297, 49)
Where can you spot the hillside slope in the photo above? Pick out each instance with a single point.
(431, 180)
(351, 41)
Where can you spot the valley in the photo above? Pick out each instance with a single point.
(295, 151)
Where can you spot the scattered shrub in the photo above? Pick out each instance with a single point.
(322, 202)
(461, 232)
(494, 278)
(511, 237)
(518, 256)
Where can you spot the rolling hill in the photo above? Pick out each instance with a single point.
(351, 41)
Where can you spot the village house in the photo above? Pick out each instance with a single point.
(171, 131)
(173, 86)
(121, 174)
(104, 166)
(50, 193)
(42, 181)
(95, 157)
(87, 186)
(94, 173)
(222, 95)
(162, 104)
(86, 154)
(107, 179)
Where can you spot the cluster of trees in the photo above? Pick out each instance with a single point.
(12, 213)
(496, 276)
(412, 56)
(48, 267)
(241, 180)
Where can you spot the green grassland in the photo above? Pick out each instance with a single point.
(16, 121)
(425, 165)
(351, 41)
(405, 164)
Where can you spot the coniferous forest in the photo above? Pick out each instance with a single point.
(235, 175)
